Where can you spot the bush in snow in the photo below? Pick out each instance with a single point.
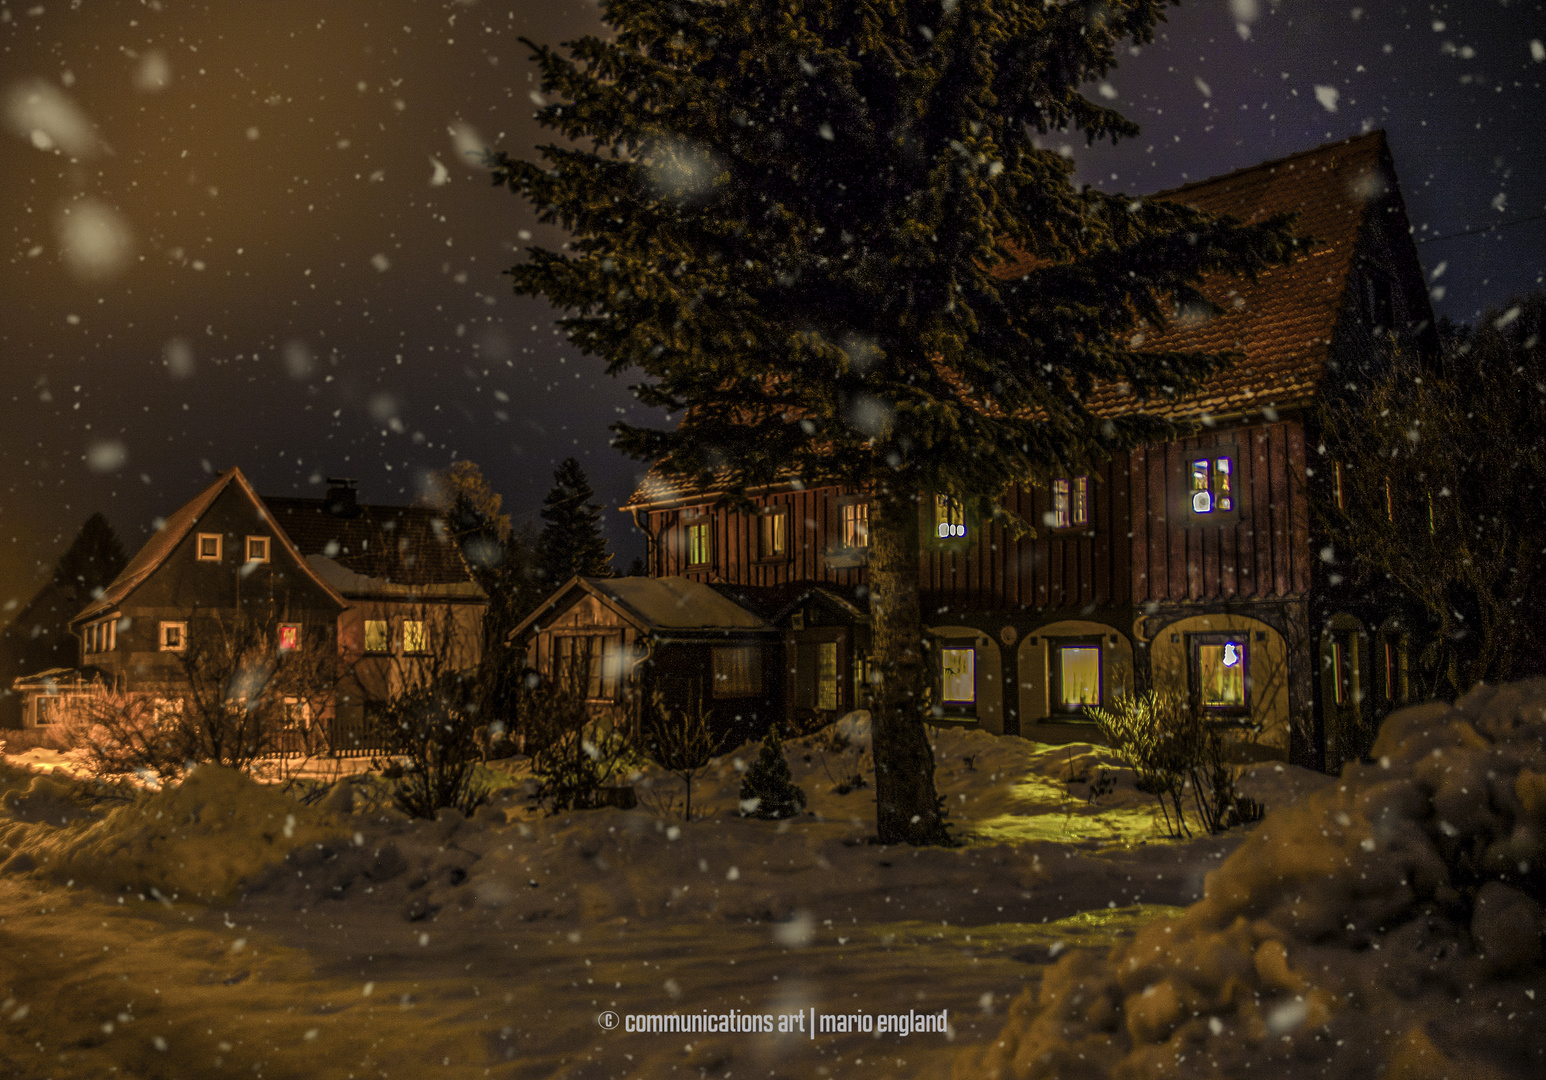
(1387, 925)
(572, 757)
(682, 743)
(1173, 749)
(437, 730)
(767, 791)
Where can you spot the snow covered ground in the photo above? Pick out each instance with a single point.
(221, 927)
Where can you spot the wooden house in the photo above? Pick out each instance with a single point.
(373, 594)
(1186, 565)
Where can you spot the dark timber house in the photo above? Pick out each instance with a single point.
(376, 593)
(1186, 566)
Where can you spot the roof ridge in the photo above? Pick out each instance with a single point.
(1271, 163)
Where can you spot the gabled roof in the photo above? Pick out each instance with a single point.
(160, 546)
(1285, 321)
(651, 605)
(775, 602)
(377, 550)
(1283, 324)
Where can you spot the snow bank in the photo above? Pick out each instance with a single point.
(1389, 924)
(199, 839)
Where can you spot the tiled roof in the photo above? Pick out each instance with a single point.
(1283, 323)
(655, 605)
(398, 545)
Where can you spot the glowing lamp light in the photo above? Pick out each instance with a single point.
(1231, 655)
(1202, 502)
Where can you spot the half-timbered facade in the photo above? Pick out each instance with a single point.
(1186, 565)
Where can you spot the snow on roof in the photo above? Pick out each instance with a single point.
(652, 604)
(392, 545)
(354, 584)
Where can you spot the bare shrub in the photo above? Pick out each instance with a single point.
(682, 742)
(573, 758)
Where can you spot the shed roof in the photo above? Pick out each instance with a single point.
(653, 605)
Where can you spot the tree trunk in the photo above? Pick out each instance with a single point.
(906, 805)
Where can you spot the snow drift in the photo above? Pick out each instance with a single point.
(1389, 925)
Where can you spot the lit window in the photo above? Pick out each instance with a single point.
(257, 549)
(773, 533)
(1078, 676)
(415, 636)
(698, 544)
(958, 684)
(1221, 674)
(209, 547)
(173, 636)
(289, 636)
(826, 675)
(592, 663)
(378, 636)
(1212, 485)
(737, 670)
(856, 525)
(1070, 502)
(949, 517)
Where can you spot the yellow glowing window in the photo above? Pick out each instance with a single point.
(289, 636)
(959, 684)
(774, 527)
(415, 636)
(697, 544)
(378, 636)
(856, 525)
(949, 517)
(1221, 674)
(1080, 671)
(826, 675)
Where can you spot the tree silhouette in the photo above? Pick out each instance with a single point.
(571, 542)
(91, 562)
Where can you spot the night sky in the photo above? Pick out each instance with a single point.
(256, 233)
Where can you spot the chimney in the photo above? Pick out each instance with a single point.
(340, 500)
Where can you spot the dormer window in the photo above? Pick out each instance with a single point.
(1211, 487)
(949, 517)
(209, 547)
(257, 549)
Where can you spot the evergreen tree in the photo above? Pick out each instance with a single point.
(767, 789)
(571, 542)
(828, 232)
(91, 562)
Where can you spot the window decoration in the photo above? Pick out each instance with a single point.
(209, 545)
(1212, 485)
(949, 517)
(415, 637)
(378, 636)
(856, 525)
(737, 670)
(772, 534)
(257, 549)
(289, 637)
(958, 676)
(173, 636)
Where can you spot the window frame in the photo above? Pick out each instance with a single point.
(603, 680)
(1055, 647)
(1195, 642)
(422, 634)
(949, 513)
(386, 637)
(726, 685)
(268, 547)
(55, 711)
(777, 517)
(698, 527)
(855, 512)
(848, 511)
(1074, 513)
(198, 546)
(181, 626)
(958, 706)
(1211, 455)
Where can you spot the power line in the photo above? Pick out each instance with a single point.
(1486, 228)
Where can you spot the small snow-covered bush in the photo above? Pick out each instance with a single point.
(768, 790)
(1387, 925)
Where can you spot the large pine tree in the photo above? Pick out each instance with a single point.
(91, 562)
(828, 234)
(571, 542)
